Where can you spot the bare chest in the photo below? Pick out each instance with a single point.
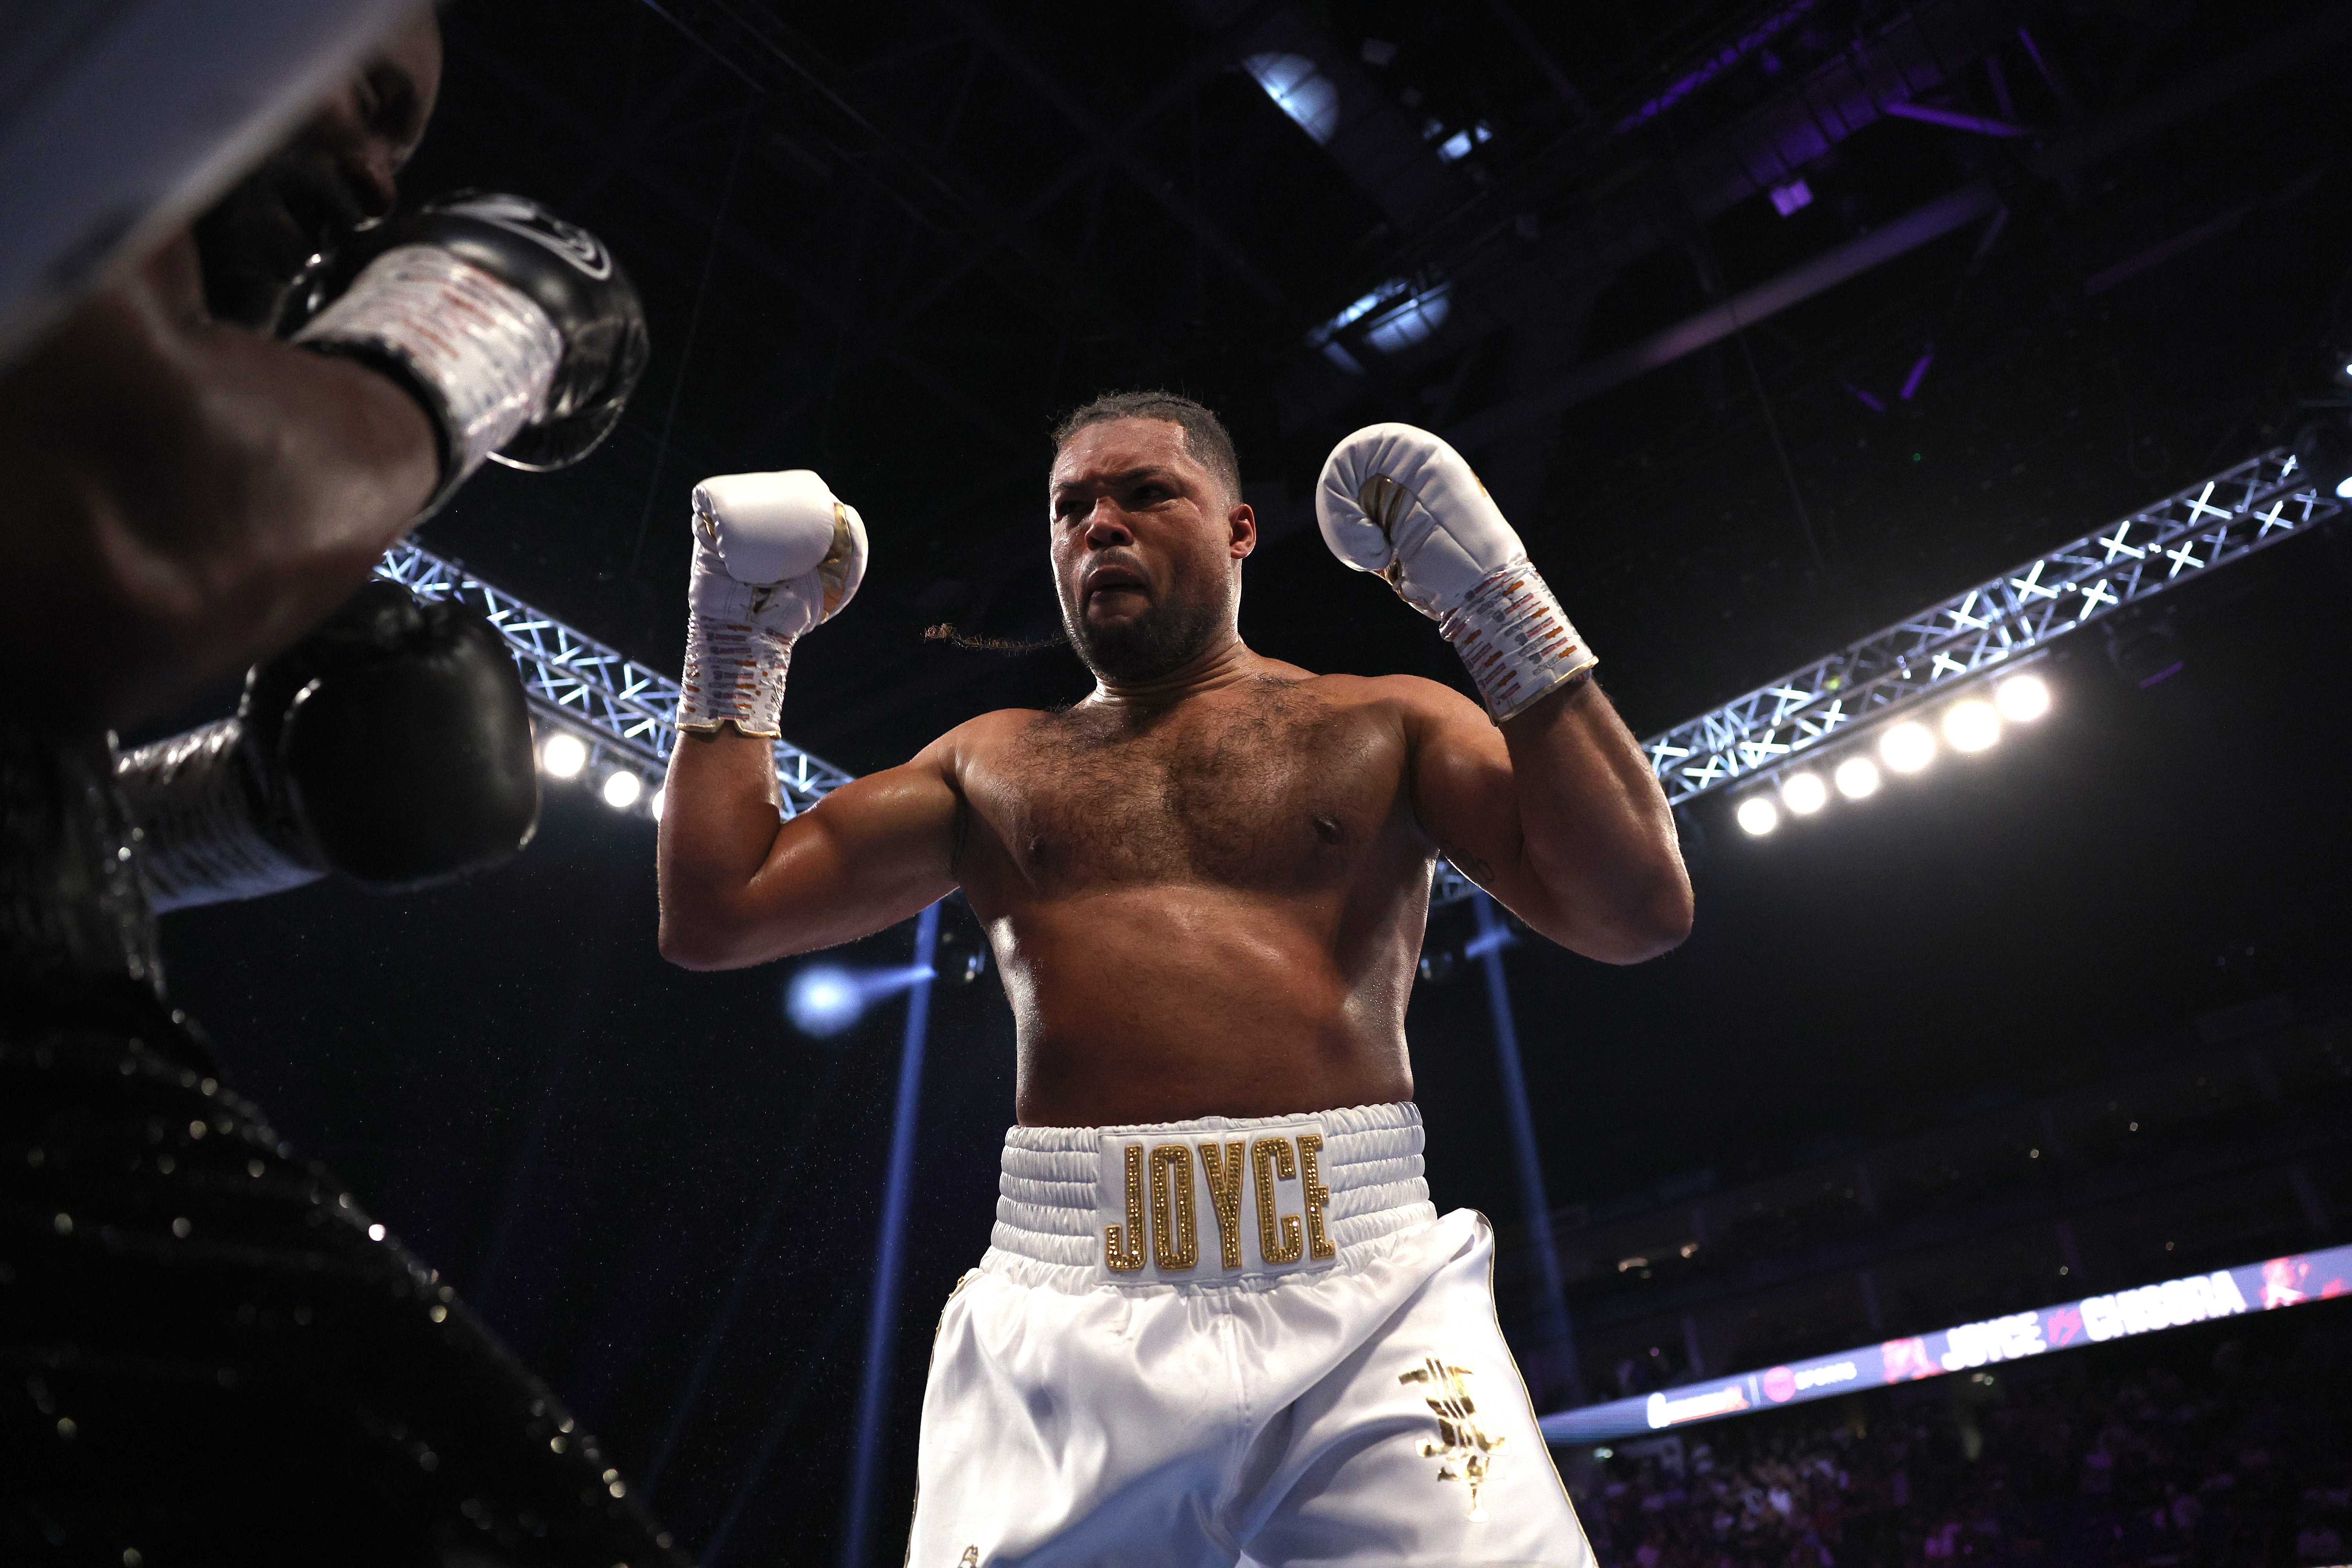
(1272, 788)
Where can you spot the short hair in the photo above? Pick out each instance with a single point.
(1205, 437)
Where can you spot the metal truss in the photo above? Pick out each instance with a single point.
(626, 711)
(2158, 548)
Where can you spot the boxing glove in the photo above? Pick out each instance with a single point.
(518, 333)
(1399, 502)
(776, 556)
(392, 746)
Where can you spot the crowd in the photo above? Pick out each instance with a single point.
(2201, 1448)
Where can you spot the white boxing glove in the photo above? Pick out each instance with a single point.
(1400, 502)
(775, 556)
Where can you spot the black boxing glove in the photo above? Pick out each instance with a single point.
(391, 746)
(518, 333)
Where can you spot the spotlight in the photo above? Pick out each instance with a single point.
(824, 1000)
(1804, 794)
(2023, 699)
(564, 755)
(1907, 747)
(622, 789)
(1971, 724)
(1757, 816)
(654, 807)
(1857, 778)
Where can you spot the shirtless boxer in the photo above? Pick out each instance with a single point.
(1220, 1321)
(208, 1352)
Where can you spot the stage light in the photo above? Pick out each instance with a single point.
(1410, 320)
(564, 755)
(2023, 699)
(654, 807)
(1907, 747)
(1857, 778)
(1396, 315)
(824, 1000)
(1971, 724)
(622, 789)
(1300, 90)
(1757, 816)
(1804, 794)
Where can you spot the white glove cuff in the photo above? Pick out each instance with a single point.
(480, 353)
(203, 826)
(1515, 639)
(734, 673)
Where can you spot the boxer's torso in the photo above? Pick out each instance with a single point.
(1213, 909)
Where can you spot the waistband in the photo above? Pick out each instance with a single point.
(1216, 1200)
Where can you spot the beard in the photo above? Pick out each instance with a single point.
(1147, 646)
(255, 242)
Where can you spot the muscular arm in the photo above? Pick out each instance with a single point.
(740, 886)
(185, 498)
(1557, 813)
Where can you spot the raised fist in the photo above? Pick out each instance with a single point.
(518, 333)
(776, 556)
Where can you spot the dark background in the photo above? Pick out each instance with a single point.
(891, 242)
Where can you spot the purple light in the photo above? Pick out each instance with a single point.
(1918, 373)
(1927, 114)
(1715, 65)
(1793, 198)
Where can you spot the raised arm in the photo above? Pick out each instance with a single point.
(1552, 807)
(776, 556)
(187, 496)
(1556, 813)
(742, 886)
(190, 496)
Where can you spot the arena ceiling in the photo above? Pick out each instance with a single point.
(892, 241)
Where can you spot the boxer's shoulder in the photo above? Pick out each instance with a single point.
(1411, 699)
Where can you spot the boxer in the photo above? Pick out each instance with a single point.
(208, 1351)
(1218, 1321)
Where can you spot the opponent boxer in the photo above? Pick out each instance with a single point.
(208, 1352)
(1219, 1321)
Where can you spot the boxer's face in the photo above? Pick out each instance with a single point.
(335, 174)
(1146, 548)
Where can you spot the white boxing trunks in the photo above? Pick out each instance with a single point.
(1231, 1341)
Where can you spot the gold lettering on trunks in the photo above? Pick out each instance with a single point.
(1224, 1166)
(1315, 1194)
(1273, 1158)
(1175, 1238)
(1123, 1248)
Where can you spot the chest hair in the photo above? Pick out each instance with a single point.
(1263, 786)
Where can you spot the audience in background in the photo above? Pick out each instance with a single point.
(2206, 1448)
